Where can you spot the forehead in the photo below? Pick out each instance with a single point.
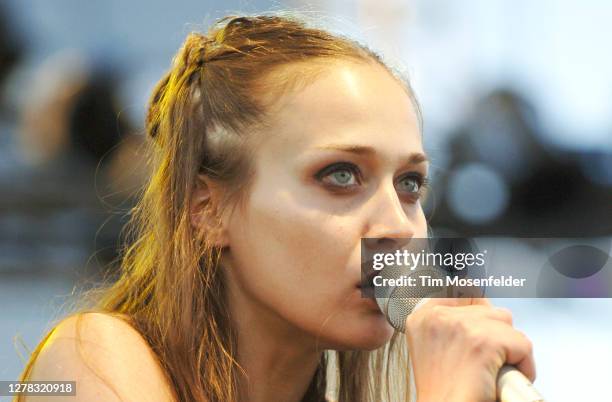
(346, 102)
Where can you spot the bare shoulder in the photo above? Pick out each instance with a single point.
(106, 356)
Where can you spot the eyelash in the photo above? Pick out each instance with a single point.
(421, 180)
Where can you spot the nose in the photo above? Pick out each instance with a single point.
(388, 227)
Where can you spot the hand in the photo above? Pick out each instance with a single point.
(457, 347)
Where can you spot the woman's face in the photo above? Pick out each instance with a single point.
(341, 161)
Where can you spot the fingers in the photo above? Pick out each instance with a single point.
(483, 301)
(514, 344)
(477, 306)
(504, 314)
(460, 301)
(516, 348)
(501, 314)
(451, 301)
(519, 352)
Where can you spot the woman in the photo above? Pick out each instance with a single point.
(275, 147)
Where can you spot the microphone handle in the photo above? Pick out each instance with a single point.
(513, 386)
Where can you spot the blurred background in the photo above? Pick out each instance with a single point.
(517, 103)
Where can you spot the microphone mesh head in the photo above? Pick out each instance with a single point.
(400, 301)
(397, 310)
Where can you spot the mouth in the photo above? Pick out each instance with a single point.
(367, 281)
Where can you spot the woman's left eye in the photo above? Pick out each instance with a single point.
(411, 184)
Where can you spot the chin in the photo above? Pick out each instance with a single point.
(375, 339)
(365, 334)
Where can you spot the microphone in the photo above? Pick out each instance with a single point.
(400, 301)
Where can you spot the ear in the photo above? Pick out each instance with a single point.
(205, 209)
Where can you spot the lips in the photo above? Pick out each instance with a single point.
(369, 280)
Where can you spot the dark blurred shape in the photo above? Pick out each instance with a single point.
(553, 185)
(95, 126)
(74, 111)
(548, 194)
(597, 167)
(11, 50)
(501, 133)
(576, 271)
(579, 261)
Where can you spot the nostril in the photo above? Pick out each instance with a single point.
(387, 243)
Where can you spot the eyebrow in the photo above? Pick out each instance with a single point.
(412, 159)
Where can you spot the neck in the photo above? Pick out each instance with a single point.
(278, 359)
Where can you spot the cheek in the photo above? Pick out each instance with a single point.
(292, 257)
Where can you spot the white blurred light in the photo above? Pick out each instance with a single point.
(476, 193)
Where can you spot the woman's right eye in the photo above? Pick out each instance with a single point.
(343, 175)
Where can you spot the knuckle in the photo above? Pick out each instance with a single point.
(438, 310)
(412, 321)
(436, 320)
(416, 321)
(506, 314)
(480, 343)
(438, 315)
(461, 327)
(476, 337)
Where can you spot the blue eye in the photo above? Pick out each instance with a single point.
(342, 174)
(412, 184)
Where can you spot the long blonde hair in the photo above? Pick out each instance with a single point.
(199, 120)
